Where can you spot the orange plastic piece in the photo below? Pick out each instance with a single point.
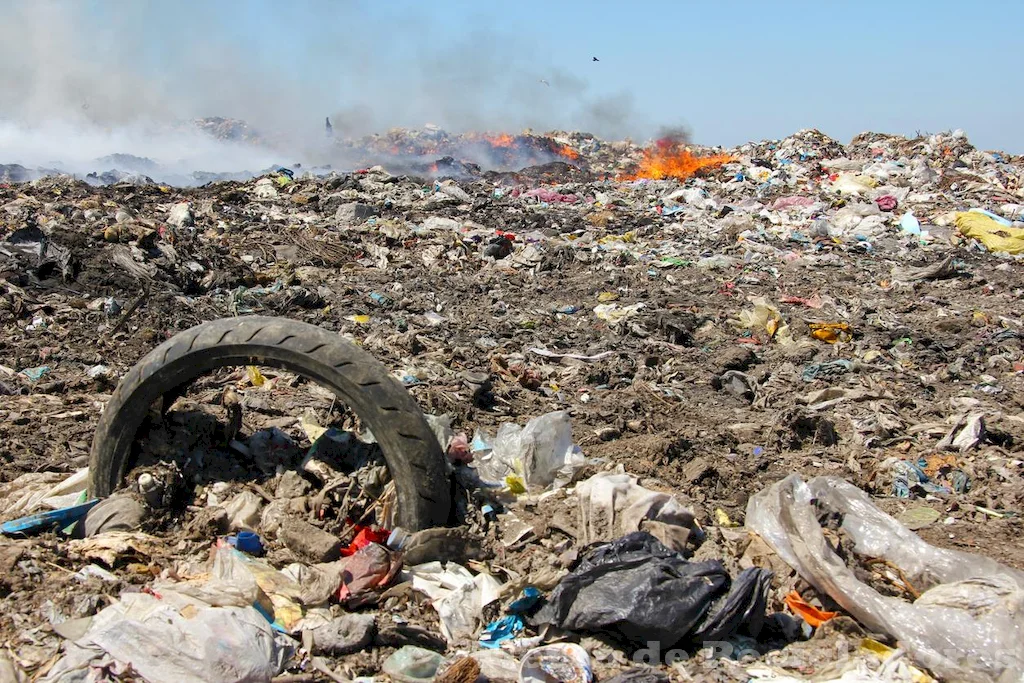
(809, 613)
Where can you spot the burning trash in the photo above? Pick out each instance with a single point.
(670, 158)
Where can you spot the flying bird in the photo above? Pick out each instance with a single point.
(545, 82)
(595, 59)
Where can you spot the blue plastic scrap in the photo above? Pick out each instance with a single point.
(909, 224)
(501, 630)
(908, 475)
(507, 627)
(45, 521)
(35, 374)
(526, 602)
(830, 368)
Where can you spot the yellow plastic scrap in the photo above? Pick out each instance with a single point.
(831, 332)
(311, 427)
(624, 237)
(993, 234)
(515, 484)
(849, 183)
(615, 314)
(722, 518)
(767, 319)
(884, 652)
(360, 319)
(255, 376)
(605, 297)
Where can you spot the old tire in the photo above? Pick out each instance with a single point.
(413, 455)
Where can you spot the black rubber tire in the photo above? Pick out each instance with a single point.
(413, 455)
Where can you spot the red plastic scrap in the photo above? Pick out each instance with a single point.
(364, 537)
(887, 203)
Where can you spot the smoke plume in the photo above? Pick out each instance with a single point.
(86, 78)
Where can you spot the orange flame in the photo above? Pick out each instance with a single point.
(672, 161)
(568, 152)
(502, 140)
(433, 168)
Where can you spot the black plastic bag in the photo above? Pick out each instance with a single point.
(742, 610)
(638, 589)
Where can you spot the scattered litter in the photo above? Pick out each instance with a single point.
(708, 320)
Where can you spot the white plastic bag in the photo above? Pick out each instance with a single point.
(540, 454)
(968, 624)
(458, 596)
(37, 490)
(177, 638)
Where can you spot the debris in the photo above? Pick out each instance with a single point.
(739, 384)
(247, 542)
(540, 454)
(462, 670)
(502, 630)
(996, 236)
(831, 332)
(910, 225)
(345, 634)
(443, 544)
(369, 569)
(244, 511)
(887, 202)
(919, 517)
(942, 269)
(308, 541)
(173, 638)
(180, 215)
(456, 594)
(765, 320)
(119, 512)
(44, 521)
(470, 266)
(828, 370)
(35, 374)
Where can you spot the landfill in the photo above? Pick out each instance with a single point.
(709, 414)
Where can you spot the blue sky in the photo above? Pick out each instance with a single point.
(729, 71)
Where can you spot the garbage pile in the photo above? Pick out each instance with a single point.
(744, 414)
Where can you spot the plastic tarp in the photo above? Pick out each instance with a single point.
(968, 624)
